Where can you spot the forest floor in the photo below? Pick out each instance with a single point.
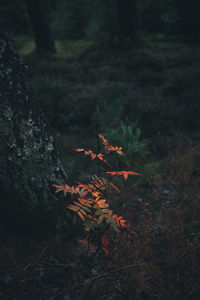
(145, 99)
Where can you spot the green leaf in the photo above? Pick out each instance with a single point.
(100, 220)
(98, 212)
(86, 208)
(108, 211)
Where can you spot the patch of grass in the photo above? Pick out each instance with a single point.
(128, 136)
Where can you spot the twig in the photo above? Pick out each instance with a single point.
(116, 270)
(41, 254)
(37, 260)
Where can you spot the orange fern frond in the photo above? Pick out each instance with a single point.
(111, 184)
(91, 154)
(105, 142)
(123, 173)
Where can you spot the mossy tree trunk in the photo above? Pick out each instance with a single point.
(41, 29)
(29, 164)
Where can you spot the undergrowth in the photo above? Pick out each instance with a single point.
(157, 255)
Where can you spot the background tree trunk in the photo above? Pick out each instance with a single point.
(41, 29)
(29, 164)
(189, 19)
(127, 19)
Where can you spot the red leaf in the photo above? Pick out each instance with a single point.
(79, 150)
(104, 240)
(93, 156)
(60, 187)
(123, 173)
(100, 156)
(103, 139)
(132, 173)
(101, 201)
(105, 250)
(114, 187)
(80, 215)
(72, 207)
(88, 152)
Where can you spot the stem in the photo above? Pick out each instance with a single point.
(89, 237)
(99, 246)
(98, 142)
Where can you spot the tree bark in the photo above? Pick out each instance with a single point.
(29, 164)
(41, 29)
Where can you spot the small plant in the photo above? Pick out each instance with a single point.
(92, 203)
(129, 137)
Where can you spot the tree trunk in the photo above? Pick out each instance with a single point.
(42, 33)
(127, 19)
(29, 164)
(189, 19)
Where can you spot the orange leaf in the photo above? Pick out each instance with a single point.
(114, 186)
(104, 240)
(79, 150)
(96, 194)
(93, 156)
(103, 139)
(132, 173)
(100, 156)
(123, 173)
(77, 203)
(122, 223)
(72, 207)
(88, 152)
(112, 173)
(105, 250)
(101, 201)
(60, 187)
(80, 215)
(112, 148)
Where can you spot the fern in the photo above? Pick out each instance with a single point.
(91, 200)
